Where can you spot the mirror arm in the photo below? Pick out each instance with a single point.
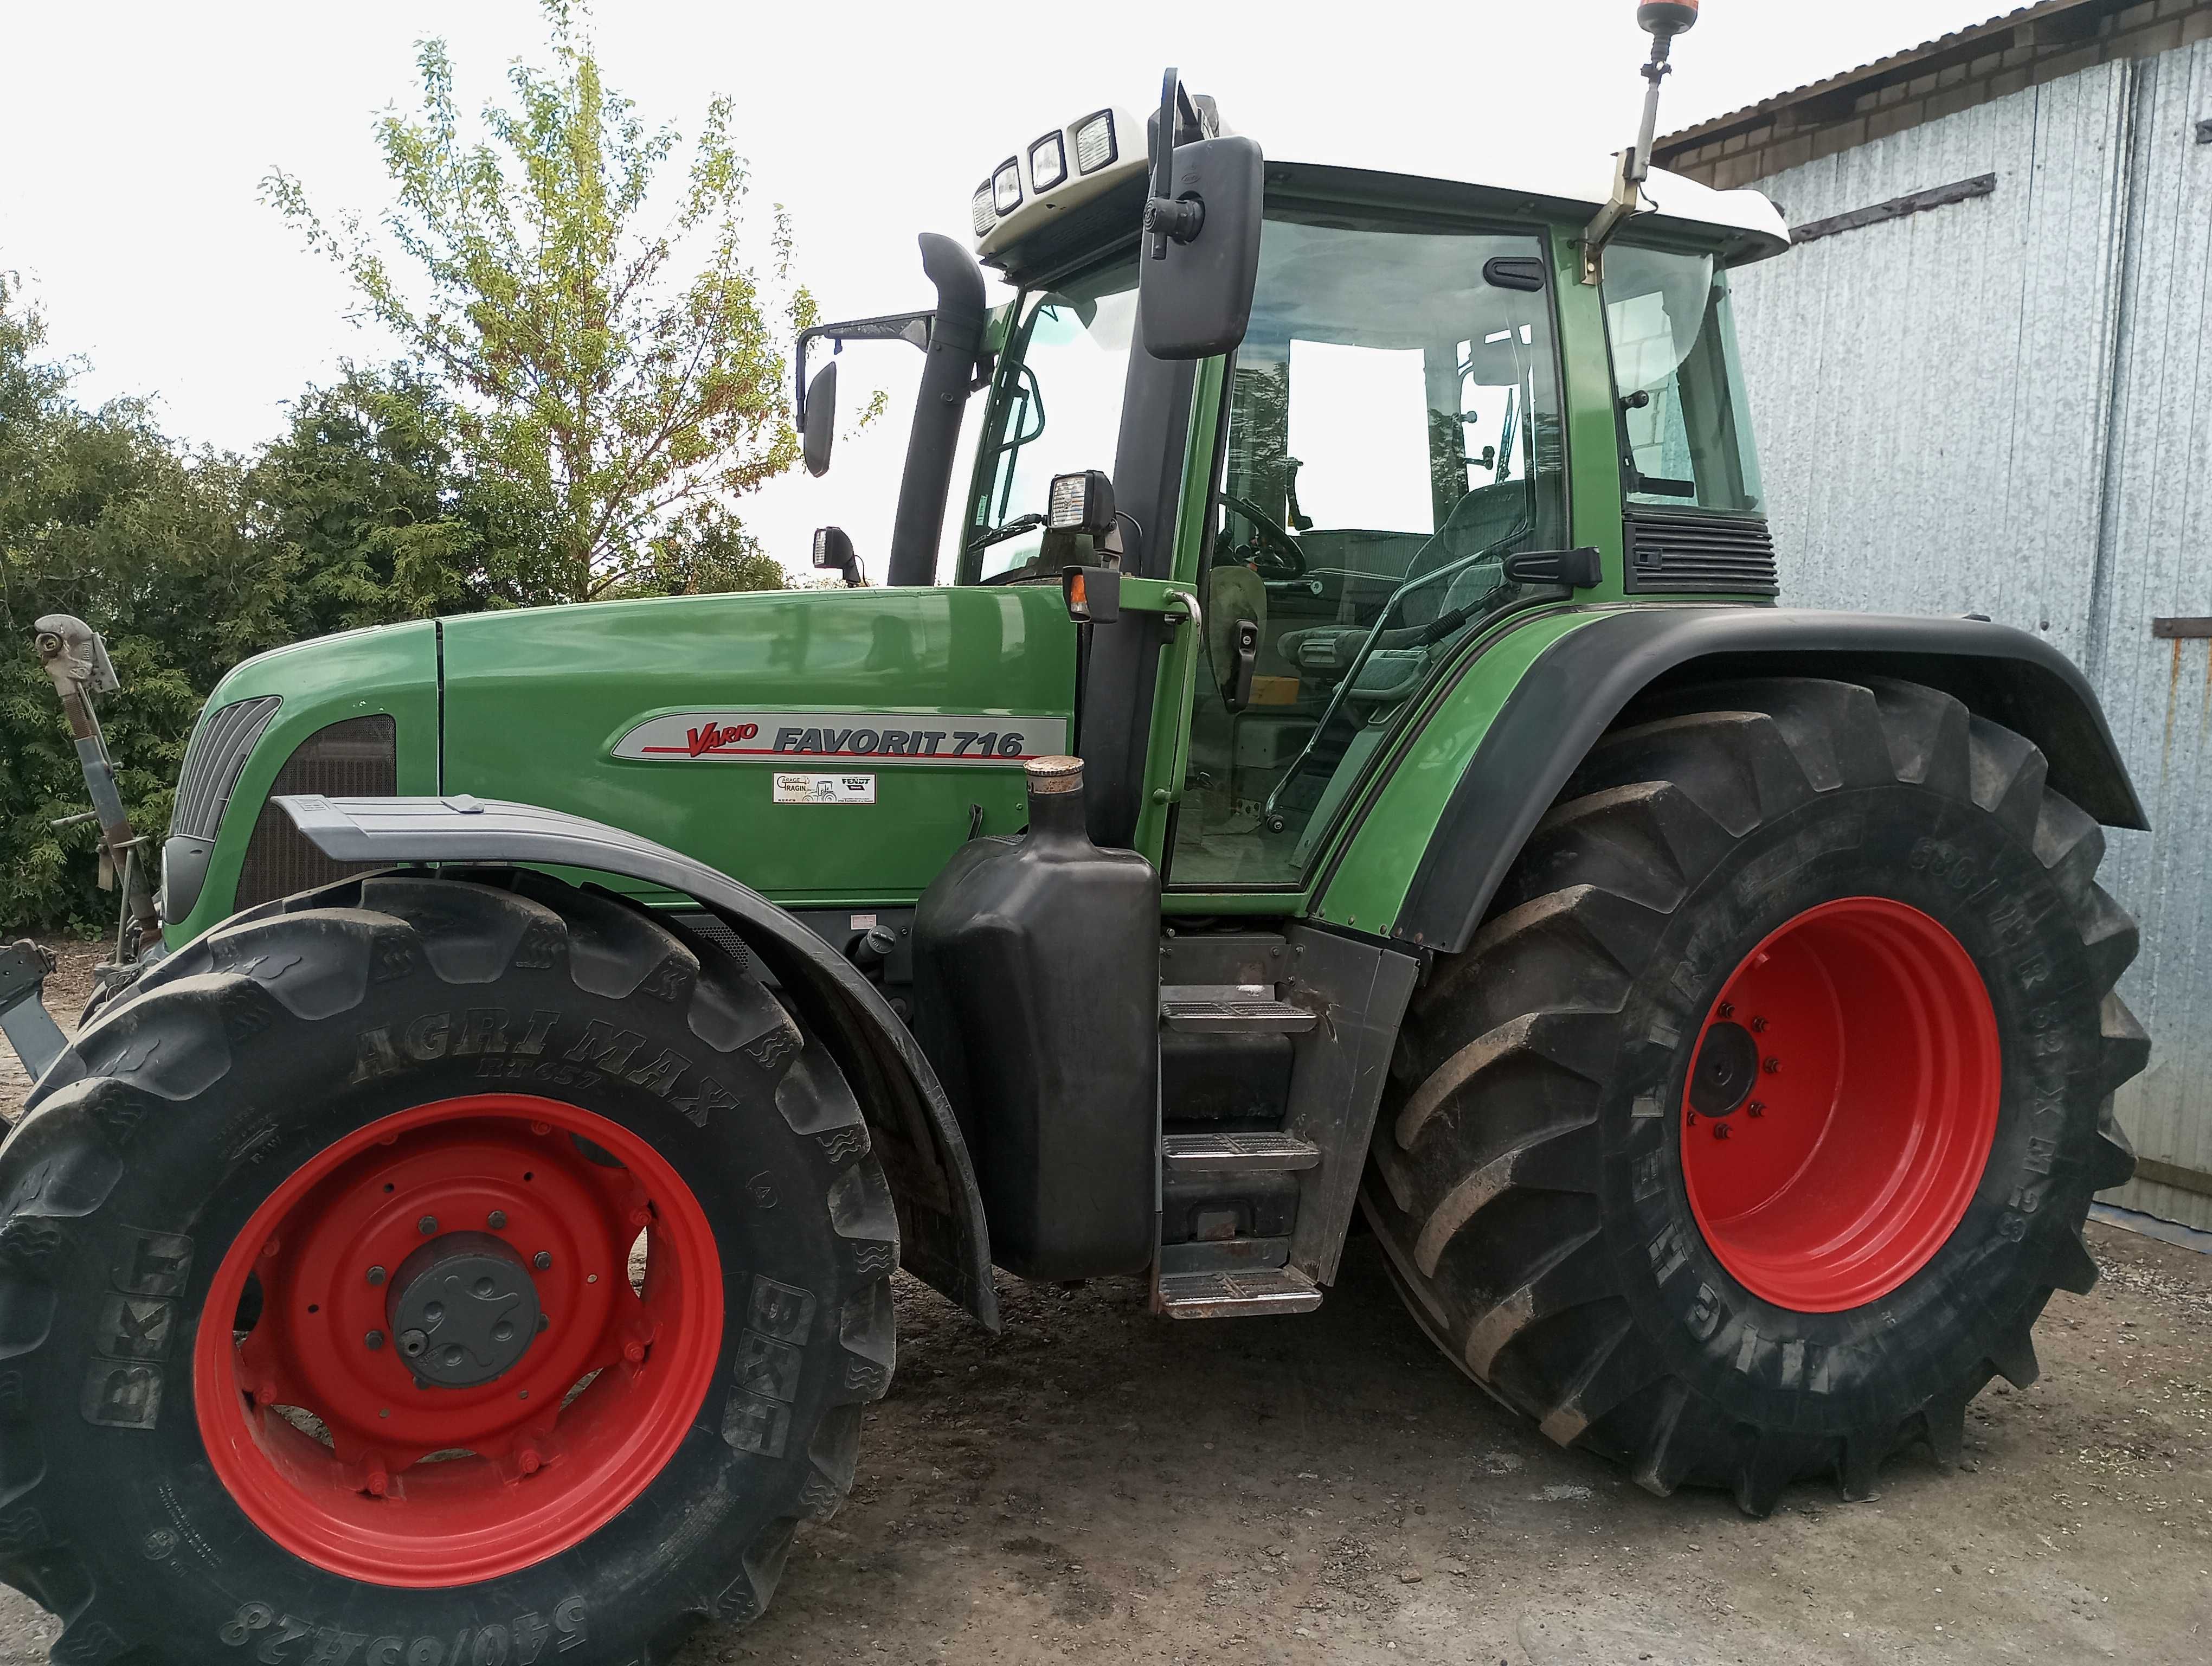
(914, 328)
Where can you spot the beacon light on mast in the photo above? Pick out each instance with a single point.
(1662, 19)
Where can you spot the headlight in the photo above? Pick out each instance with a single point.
(1094, 143)
(1007, 186)
(1048, 163)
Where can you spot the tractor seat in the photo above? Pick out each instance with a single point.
(1485, 517)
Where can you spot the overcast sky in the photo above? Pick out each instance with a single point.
(135, 136)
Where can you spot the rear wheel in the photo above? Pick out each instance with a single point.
(433, 1270)
(1750, 1137)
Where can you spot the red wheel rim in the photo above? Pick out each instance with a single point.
(1841, 1104)
(424, 1485)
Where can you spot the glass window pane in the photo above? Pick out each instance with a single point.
(1057, 409)
(1393, 433)
(1685, 438)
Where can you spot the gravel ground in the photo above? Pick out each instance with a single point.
(1094, 1484)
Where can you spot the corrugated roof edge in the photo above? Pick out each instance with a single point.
(1941, 45)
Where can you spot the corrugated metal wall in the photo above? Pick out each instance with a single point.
(2005, 406)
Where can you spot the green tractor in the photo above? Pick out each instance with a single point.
(1344, 761)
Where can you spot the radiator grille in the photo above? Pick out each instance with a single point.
(1703, 555)
(218, 752)
(355, 759)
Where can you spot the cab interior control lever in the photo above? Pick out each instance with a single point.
(1238, 694)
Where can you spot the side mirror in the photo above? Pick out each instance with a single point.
(833, 552)
(818, 428)
(1201, 259)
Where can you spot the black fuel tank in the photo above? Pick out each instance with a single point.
(1037, 997)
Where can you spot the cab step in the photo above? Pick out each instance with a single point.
(1251, 1294)
(1233, 1014)
(1237, 1153)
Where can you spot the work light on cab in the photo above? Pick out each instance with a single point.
(1048, 163)
(1095, 147)
(1082, 503)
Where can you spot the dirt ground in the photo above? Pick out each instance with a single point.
(1094, 1484)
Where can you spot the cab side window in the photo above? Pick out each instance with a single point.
(1394, 433)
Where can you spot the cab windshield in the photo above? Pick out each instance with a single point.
(1055, 409)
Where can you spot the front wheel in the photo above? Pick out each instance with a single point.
(433, 1272)
(1751, 1135)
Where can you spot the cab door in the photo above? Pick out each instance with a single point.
(1394, 433)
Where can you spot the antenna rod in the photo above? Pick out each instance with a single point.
(1662, 19)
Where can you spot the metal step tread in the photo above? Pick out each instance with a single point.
(1238, 1152)
(1248, 1294)
(1248, 1013)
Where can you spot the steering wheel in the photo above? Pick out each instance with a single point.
(1280, 552)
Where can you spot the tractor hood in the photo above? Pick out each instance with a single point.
(824, 746)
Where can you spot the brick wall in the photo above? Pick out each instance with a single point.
(1991, 62)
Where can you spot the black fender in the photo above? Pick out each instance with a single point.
(1580, 685)
(943, 1236)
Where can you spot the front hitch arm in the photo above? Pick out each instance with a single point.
(30, 1028)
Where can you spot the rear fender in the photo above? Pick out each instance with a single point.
(1577, 684)
(943, 1236)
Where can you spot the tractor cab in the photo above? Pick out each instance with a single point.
(1429, 422)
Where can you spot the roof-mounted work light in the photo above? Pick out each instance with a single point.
(1048, 163)
(1094, 145)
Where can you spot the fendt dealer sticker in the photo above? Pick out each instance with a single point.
(825, 789)
(697, 737)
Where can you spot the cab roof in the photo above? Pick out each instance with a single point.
(1369, 160)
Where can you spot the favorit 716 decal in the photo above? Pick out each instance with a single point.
(688, 737)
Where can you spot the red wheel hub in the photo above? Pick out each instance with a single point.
(1841, 1104)
(561, 1390)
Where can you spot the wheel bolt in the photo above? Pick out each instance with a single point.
(269, 1249)
(1758, 1027)
(427, 1225)
(641, 1216)
(374, 1339)
(541, 1127)
(1720, 1131)
(527, 1461)
(1754, 1108)
(1728, 1009)
(543, 1260)
(1774, 1067)
(634, 1352)
(379, 1482)
(1691, 1121)
(497, 1220)
(376, 1275)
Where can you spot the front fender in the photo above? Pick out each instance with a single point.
(1553, 687)
(943, 1235)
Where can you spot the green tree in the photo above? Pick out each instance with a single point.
(587, 374)
(102, 517)
(367, 492)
